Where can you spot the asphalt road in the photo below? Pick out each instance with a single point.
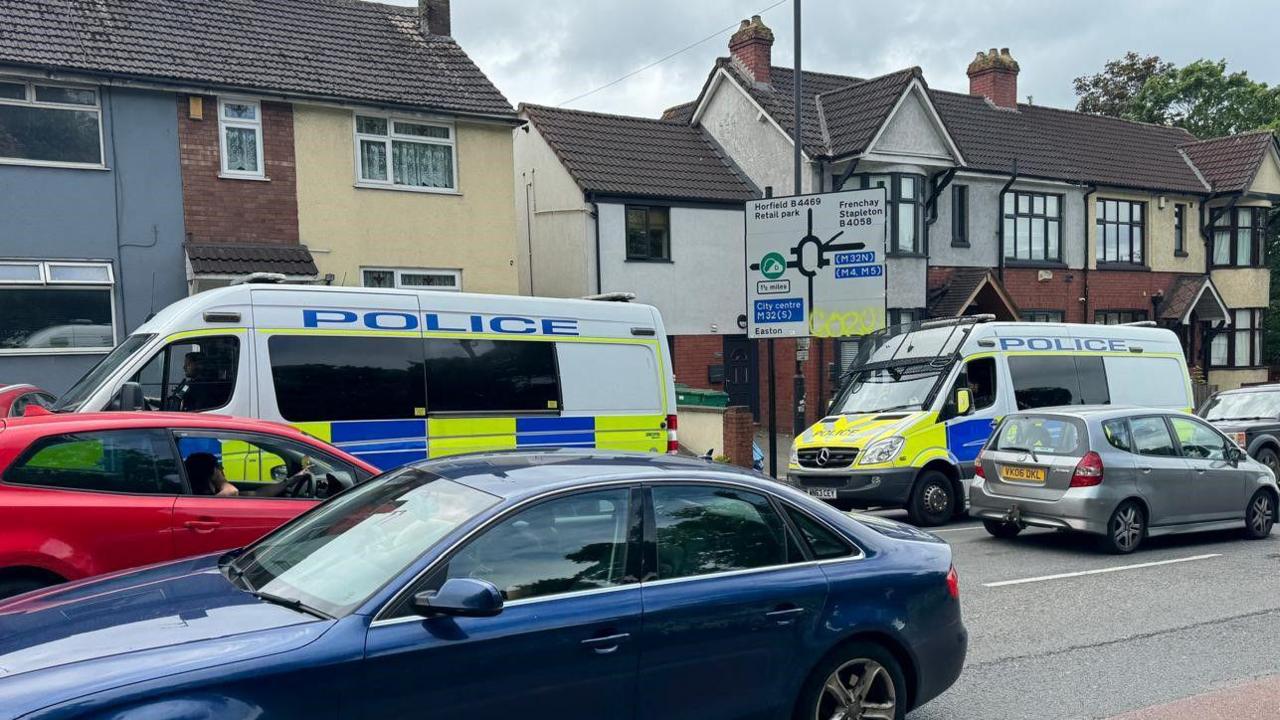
(1050, 637)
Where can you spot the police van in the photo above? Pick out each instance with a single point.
(394, 375)
(921, 399)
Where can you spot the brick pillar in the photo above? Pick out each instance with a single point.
(739, 430)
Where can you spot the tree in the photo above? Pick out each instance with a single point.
(1206, 100)
(1111, 92)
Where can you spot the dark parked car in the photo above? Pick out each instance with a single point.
(1251, 417)
(567, 585)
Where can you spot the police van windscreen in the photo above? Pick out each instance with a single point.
(72, 399)
(885, 389)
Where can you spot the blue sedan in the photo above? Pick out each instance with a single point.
(565, 585)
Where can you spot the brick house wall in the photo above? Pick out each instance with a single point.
(692, 355)
(226, 210)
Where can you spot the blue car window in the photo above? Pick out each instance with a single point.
(704, 529)
(823, 544)
(567, 544)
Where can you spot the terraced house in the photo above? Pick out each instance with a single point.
(149, 150)
(1001, 207)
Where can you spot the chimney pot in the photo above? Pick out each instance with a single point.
(994, 75)
(751, 47)
(433, 17)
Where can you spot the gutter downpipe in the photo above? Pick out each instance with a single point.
(595, 218)
(1003, 191)
(1084, 215)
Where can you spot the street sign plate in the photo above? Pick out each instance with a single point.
(816, 264)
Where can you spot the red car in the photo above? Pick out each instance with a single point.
(15, 399)
(86, 494)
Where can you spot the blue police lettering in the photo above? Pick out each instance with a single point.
(1039, 344)
(559, 327)
(1064, 344)
(1117, 345)
(1095, 344)
(501, 324)
(1009, 343)
(374, 321)
(312, 318)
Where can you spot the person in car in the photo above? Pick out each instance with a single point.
(206, 476)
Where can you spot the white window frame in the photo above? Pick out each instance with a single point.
(255, 125)
(398, 273)
(390, 183)
(46, 282)
(30, 101)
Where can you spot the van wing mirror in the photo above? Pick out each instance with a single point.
(129, 398)
(964, 401)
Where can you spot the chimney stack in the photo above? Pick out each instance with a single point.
(433, 15)
(752, 48)
(994, 75)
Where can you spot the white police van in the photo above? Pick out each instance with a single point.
(394, 375)
(921, 399)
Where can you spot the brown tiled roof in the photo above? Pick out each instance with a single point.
(1184, 291)
(680, 113)
(242, 259)
(1047, 142)
(639, 157)
(329, 49)
(952, 297)
(851, 115)
(1229, 164)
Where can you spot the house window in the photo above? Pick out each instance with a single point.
(902, 316)
(1179, 229)
(52, 306)
(1239, 237)
(1121, 228)
(49, 124)
(960, 216)
(905, 207)
(407, 154)
(1048, 316)
(413, 278)
(1032, 227)
(240, 137)
(648, 233)
(1118, 317)
(1240, 345)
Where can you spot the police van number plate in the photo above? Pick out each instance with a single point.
(822, 493)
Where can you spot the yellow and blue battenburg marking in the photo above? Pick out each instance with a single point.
(387, 444)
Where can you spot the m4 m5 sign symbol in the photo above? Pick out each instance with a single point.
(815, 264)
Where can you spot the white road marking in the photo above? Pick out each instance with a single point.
(1099, 571)
(958, 529)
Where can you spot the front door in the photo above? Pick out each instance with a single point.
(1164, 479)
(740, 372)
(725, 611)
(1217, 486)
(563, 648)
(966, 434)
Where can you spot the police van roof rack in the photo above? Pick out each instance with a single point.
(962, 320)
(612, 297)
(1140, 323)
(261, 278)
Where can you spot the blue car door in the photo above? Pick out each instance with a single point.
(730, 606)
(564, 646)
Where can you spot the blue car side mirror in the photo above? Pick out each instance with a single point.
(459, 597)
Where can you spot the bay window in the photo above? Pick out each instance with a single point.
(1118, 317)
(1032, 227)
(1121, 230)
(905, 211)
(46, 124)
(56, 306)
(1239, 236)
(240, 138)
(1241, 344)
(405, 153)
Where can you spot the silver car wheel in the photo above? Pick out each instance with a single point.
(1260, 513)
(860, 689)
(1127, 528)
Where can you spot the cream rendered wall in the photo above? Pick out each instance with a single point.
(1232, 379)
(1244, 287)
(553, 222)
(1268, 178)
(347, 227)
(750, 139)
(911, 131)
(1158, 243)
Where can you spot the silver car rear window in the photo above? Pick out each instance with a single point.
(1047, 434)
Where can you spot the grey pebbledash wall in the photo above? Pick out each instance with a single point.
(129, 214)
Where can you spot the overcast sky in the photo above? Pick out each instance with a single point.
(548, 51)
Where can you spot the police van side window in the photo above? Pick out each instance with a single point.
(491, 376)
(1054, 380)
(347, 378)
(191, 375)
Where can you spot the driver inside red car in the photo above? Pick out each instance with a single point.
(206, 476)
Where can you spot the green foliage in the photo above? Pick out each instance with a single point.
(1111, 92)
(1206, 100)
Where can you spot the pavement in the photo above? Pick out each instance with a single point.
(1187, 627)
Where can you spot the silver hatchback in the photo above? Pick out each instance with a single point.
(1124, 474)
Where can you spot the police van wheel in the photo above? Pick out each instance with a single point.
(933, 501)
